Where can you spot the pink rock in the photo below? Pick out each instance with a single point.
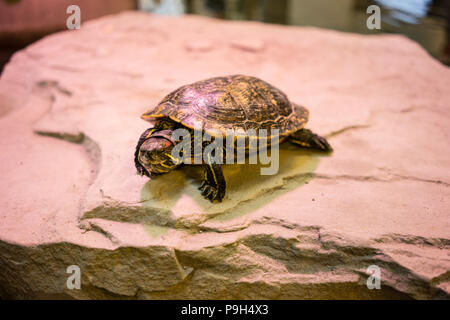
(252, 45)
(70, 120)
(199, 45)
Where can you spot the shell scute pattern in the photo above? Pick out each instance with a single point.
(231, 103)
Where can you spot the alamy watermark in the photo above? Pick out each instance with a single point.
(74, 280)
(374, 20)
(374, 279)
(233, 147)
(74, 20)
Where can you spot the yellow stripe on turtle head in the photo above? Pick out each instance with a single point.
(174, 160)
(166, 166)
(150, 133)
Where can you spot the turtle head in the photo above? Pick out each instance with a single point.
(153, 152)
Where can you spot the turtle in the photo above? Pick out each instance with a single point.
(236, 102)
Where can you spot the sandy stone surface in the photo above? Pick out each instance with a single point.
(70, 109)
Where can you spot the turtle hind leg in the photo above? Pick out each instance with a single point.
(305, 138)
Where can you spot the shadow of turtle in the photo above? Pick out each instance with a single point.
(247, 188)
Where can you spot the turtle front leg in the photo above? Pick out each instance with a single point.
(213, 186)
(307, 139)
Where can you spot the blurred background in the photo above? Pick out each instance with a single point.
(425, 21)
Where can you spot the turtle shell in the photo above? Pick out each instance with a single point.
(234, 102)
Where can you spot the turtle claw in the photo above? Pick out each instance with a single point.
(209, 192)
(213, 186)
